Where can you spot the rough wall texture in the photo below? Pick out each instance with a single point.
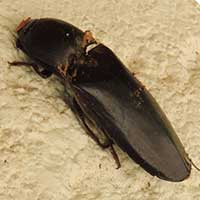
(45, 154)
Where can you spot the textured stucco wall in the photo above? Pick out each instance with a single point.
(44, 154)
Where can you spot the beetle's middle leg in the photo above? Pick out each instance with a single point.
(45, 73)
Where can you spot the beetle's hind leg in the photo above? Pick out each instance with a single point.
(108, 143)
(84, 122)
(103, 145)
(45, 73)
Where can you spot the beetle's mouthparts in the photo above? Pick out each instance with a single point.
(22, 24)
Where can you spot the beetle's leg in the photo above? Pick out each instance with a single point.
(45, 73)
(108, 142)
(77, 110)
(80, 115)
(104, 144)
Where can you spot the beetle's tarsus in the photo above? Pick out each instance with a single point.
(45, 73)
(115, 156)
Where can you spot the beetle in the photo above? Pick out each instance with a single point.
(106, 98)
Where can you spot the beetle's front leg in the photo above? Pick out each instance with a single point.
(45, 73)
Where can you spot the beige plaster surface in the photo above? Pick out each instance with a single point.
(45, 154)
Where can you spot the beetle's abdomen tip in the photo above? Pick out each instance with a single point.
(23, 23)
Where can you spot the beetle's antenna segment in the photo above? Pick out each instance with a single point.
(22, 24)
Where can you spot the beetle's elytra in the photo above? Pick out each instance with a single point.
(104, 95)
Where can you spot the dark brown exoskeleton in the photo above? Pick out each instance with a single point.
(105, 96)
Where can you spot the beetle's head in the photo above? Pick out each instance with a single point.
(53, 42)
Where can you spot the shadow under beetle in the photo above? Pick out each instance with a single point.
(104, 96)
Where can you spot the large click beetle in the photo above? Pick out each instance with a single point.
(104, 96)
